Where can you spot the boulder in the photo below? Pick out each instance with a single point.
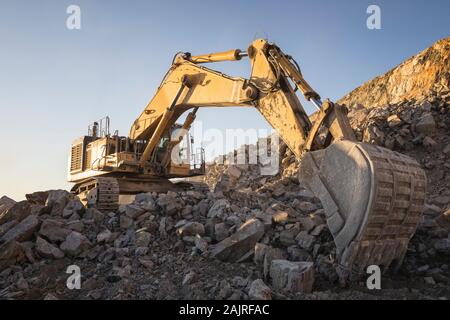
(11, 253)
(74, 206)
(57, 201)
(259, 291)
(48, 250)
(5, 204)
(75, 244)
(133, 211)
(142, 239)
(22, 231)
(104, 236)
(39, 197)
(429, 143)
(292, 276)
(18, 211)
(305, 240)
(126, 222)
(239, 244)
(221, 231)
(426, 124)
(5, 227)
(218, 208)
(53, 230)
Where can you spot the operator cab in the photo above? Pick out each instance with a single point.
(100, 152)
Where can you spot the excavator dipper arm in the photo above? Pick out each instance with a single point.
(373, 197)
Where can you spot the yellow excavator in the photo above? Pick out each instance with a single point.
(373, 197)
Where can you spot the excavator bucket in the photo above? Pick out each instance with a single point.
(373, 199)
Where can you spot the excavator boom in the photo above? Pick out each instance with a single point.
(373, 197)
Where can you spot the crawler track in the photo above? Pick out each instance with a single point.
(107, 194)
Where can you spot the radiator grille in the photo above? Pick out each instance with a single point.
(76, 159)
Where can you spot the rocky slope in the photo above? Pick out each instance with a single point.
(425, 76)
(251, 236)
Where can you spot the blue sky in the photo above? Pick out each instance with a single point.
(55, 81)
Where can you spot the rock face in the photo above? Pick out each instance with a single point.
(416, 79)
(244, 240)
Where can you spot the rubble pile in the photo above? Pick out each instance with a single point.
(169, 245)
(251, 236)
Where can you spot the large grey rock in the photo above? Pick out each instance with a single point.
(104, 236)
(5, 204)
(218, 208)
(144, 197)
(142, 239)
(221, 231)
(133, 211)
(73, 206)
(18, 211)
(426, 124)
(48, 250)
(5, 227)
(39, 197)
(259, 291)
(170, 203)
(53, 230)
(292, 276)
(75, 244)
(239, 244)
(57, 201)
(22, 231)
(11, 253)
(305, 240)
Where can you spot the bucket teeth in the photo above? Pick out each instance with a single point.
(373, 198)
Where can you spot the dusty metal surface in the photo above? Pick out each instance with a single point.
(373, 198)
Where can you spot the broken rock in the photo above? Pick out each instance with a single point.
(426, 124)
(11, 253)
(74, 244)
(39, 197)
(191, 229)
(22, 231)
(47, 250)
(292, 276)
(18, 211)
(133, 211)
(221, 231)
(5, 204)
(53, 230)
(57, 201)
(74, 206)
(239, 244)
(259, 291)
